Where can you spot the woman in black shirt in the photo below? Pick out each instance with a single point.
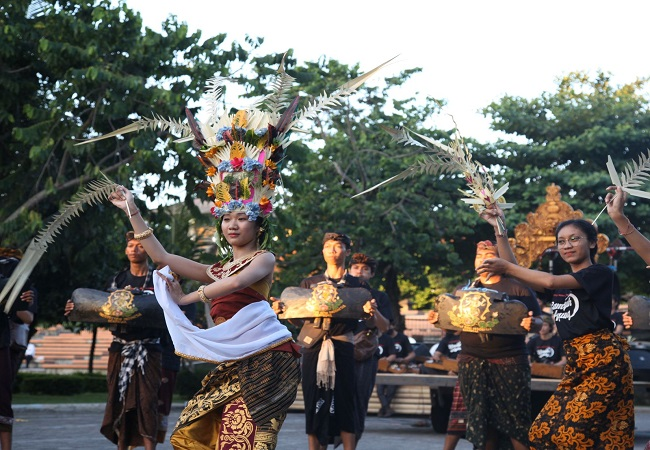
(593, 405)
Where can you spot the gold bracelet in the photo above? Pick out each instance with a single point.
(204, 298)
(627, 233)
(144, 235)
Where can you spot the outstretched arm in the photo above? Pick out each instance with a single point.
(186, 268)
(535, 279)
(491, 216)
(615, 202)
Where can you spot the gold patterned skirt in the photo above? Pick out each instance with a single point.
(593, 406)
(241, 404)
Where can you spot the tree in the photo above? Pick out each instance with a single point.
(412, 228)
(567, 136)
(70, 70)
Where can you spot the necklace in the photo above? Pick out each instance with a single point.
(234, 262)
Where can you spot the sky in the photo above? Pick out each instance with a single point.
(472, 52)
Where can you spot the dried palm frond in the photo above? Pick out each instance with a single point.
(327, 101)
(213, 92)
(175, 127)
(440, 158)
(96, 192)
(635, 175)
(261, 133)
(279, 99)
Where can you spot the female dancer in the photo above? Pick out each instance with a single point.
(244, 400)
(593, 406)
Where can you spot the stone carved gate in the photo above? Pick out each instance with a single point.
(536, 236)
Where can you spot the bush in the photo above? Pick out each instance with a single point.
(188, 381)
(55, 384)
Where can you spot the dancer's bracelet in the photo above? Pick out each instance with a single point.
(204, 298)
(144, 235)
(629, 230)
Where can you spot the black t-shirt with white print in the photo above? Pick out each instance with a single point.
(587, 309)
(545, 351)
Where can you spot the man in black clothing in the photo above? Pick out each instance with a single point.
(329, 385)
(404, 354)
(364, 267)
(502, 360)
(8, 264)
(134, 368)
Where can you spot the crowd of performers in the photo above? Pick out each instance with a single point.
(258, 368)
(592, 407)
(244, 400)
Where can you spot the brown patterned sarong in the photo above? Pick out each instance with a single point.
(128, 423)
(241, 404)
(593, 406)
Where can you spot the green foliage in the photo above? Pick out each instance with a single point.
(77, 68)
(564, 137)
(69, 71)
(52, 384)
(188, 380)
(424, 297)
(406, 226)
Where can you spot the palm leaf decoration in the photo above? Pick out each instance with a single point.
(439, 158)
(96, 192)
(242, 153)
(174, 126)
(279, 98)
(272, 104)
(635, 175)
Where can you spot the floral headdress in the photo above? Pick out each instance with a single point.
(440, 158)
(242, 152)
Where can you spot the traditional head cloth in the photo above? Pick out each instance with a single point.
(340, 237)
(361, 258)
(487, 245)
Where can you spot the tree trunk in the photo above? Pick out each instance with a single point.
(393, 292)
(93, 344)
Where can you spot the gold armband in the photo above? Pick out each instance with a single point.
(144, 235)
(204, 298)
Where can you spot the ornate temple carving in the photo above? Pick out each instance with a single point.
(537, 235)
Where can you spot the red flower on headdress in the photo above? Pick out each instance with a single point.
(265, 205)
(237, 163)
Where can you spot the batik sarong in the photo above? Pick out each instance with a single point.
(241, 404)
(593, 406)
(497, 397)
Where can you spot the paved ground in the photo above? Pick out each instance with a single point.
(69, 427)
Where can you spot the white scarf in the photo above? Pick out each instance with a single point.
(251, 330)
(326, 367)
